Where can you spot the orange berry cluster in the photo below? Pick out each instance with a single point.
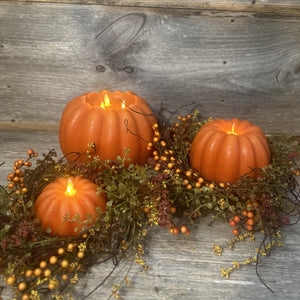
(46, 271)
(170, 150)
(164, 157)
(16, 178)
(174, 229)
(249, 218)
(183, 229)
(166, 161)
(233, 222)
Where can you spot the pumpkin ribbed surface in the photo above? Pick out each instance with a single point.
(53, 205)
(126, 121)
(223, 151)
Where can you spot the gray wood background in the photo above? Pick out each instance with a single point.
(230, 64)
(236, 58)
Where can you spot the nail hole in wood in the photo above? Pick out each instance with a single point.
(128, 69)
(100, 68)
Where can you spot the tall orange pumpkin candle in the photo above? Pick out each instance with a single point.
(65, 198)
(224, 150)
(111, 121)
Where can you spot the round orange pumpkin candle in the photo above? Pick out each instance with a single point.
(223, 151)
(112, 121)
(65, 198)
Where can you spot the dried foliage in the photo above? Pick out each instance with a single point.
(138, 197)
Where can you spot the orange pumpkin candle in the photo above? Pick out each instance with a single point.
(223, 151)
(64, 198)
(111, 121)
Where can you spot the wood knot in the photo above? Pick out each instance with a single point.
(289, 76)
(120, 33)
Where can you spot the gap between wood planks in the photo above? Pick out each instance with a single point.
(49, 127)
(233, 6)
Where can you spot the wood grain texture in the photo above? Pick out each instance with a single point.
(233, 62)
(290, 7)
(229, 65)
(29, 126)
(181, 267)
(15, 143)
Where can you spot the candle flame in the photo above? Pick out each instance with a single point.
(123, 104)
(70, 191)
(232, 130)
(106, 101)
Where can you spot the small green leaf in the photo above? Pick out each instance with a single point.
(29, 204)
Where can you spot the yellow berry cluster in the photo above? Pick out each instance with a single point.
(236, 266)
(48, 270)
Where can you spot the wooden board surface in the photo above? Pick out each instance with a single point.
(229, 64)
(232, 58)
(291, 7)
(181, 267)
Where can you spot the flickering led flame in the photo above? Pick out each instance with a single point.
(123, 104)
(70, 191)
(106, 100)
(232, 130)
(105, 103)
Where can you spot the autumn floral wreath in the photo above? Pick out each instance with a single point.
(59, 216)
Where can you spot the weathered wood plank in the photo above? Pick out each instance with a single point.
(181, 266)
(291, 7)
(186, 267)
(230, 65)
(15, 143)
(29, 126)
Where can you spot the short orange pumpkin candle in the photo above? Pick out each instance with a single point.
(110, 120)
(63, 199)
(223, 151)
